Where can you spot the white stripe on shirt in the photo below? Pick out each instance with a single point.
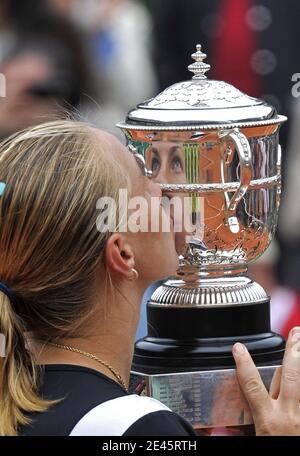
(114, 417)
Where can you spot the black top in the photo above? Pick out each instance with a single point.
(93, 404)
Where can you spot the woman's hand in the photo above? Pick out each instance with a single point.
(276, 412)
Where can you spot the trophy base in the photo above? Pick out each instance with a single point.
(195, 376)
(161, 356)
(186, 359)
(207, 399)
(201, 338)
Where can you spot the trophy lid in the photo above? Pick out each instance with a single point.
(200, 103)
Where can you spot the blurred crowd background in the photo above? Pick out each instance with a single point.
(99, 58)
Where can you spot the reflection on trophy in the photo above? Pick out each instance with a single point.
(206, 142)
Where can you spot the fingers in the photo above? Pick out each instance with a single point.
(290, 379)
(250, 382)
(275, 384)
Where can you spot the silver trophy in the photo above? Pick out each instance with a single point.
(214, 146)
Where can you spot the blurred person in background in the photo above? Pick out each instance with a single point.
(119, 33)
(6, 35)
(62, 6)
(47, 69)
(17, 17)
(123, 49)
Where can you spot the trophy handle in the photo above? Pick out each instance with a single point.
(140, 161)
(244, 152)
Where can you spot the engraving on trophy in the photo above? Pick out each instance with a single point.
(199, 95)
(206, 399)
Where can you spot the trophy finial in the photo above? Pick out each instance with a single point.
(199, 68)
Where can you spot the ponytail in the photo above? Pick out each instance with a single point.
(51, 177)
(18, 376)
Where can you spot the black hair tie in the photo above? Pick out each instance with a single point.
(9, 293)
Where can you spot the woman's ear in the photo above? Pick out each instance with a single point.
(119, 256)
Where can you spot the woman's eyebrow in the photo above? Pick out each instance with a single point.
(174, 149)
(171, 151)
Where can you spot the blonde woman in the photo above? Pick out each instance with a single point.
(70, 295)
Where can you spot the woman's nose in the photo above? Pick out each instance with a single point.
(161, 177)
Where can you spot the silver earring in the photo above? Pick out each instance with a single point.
(135, 274)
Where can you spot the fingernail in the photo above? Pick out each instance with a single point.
(239, 348)
(295, 337)
(296, 330)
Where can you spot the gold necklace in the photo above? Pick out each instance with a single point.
(95, 358)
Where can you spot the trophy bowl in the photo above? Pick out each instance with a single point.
(215, 153)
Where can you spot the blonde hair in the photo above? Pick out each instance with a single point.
(49, 247)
